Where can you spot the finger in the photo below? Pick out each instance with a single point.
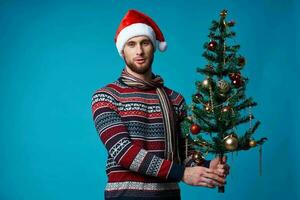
(221, 171)
(214, 176)
(203, 184)
(211, 171)
(210, 182)
(221, 166)
(214, 172)
(218, 172)
(208, 170)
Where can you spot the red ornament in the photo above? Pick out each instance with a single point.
(231, 23)
(212, 45)
(241, 61)
(235, 75)
(237, 83)
(236, 79)
(195, 129)
(198, 96)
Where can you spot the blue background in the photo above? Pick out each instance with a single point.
(54, 55)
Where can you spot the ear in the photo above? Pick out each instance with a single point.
(122, 53)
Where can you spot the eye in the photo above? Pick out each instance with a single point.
(131, 44)
(146, 42)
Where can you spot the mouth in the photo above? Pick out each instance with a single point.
(140, 60)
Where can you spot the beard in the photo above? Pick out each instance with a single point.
(139, 70)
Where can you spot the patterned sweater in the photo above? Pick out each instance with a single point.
(129, 122)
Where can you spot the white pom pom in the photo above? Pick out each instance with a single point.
(162, 46)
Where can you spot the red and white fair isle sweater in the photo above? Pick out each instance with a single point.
(129, 122)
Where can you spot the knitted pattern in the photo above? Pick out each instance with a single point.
(129, 122)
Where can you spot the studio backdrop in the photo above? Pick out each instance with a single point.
(55, 54)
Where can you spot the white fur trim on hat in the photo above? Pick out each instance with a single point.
(162, 46)
(133, 30)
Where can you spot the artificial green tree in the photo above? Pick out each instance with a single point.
(220, 104)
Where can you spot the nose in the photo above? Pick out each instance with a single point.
(139, 50)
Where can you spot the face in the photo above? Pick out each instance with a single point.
(138, 54)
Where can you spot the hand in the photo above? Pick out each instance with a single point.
(202, 176)
(223, 168)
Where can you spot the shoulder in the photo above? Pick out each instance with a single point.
(106, 93)
(105, 98)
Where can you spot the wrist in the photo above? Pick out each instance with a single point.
(176, 172)
(206, 163)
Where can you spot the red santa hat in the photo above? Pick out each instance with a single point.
(136, 23)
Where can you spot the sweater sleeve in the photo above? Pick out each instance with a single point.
(187, 160)
(115, 137)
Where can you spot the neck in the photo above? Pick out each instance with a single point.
(146, 76)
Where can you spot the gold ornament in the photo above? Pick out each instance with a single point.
(223, 13)
(231, 142)
(197, 157)
(223, 86)
(252, 143)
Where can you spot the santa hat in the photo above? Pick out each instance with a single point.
(136, 23)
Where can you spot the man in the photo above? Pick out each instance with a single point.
(137, 119)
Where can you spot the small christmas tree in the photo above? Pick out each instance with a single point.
(220, 105)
